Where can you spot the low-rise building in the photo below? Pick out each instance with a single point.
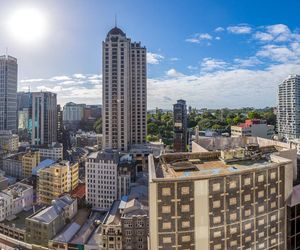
(55, 180)
(9, 142)
(14, 199)
(54, 151)
(43, 225)
(88, 139)
(12, 165)
(254, 127)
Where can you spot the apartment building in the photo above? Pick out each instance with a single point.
(180, 126)
(53, 151)
(124, 91)
(9, 142)
(253, 127)
(55, 180)
(227, 199)
(288, 116)
(29, 161)
(15, 199)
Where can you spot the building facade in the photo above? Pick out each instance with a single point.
(44, 118)
(124, 91)
(8, 92)
(288, 111)
(53, 151)
(180, 126)
(220, 200)
(9, 142)
(101, 179)
(254, 127)
(29, 161)
(55, 180)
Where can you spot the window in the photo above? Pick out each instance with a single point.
(247, 197)
(166, 209)
(166, 191)
(217, 204)
(232, 184)
(273, 190)
(216, 187)
(166, 225)
(186, 238)
(185, 208)
(185, 190)
(260, 178)
(247, 181)
(217, 219)
(233, 216)
(273, 175)
(185, 224)
(233, 230)
(232, 201)
(261, 194)
(217, 234)
(167, 240)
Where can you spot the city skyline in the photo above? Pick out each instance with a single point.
(221, 55)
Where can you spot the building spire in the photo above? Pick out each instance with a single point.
(116, 21)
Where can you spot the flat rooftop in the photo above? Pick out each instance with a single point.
(207, 164)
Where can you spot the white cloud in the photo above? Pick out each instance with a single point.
(191, 67)
(277, 53)
(239, 29)
(153, 58)
(219, 29)
(218, 38)
(79, 76)
(262, 36)
(197, 38)
(60, 78)
(173, 73)
(248, 62)
(211, 64)
(174, 59)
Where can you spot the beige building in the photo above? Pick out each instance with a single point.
(254, 127)
(124, 91)
(226, 199)
(9, 142)
(55, 180)
(29, 161)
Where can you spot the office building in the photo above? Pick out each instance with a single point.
(227, 199)
(253, 127)
(44, 118)
(288, 111)
(8, 92)
(88, 139)
(55, 180)
(101, 179)
(12, 165)
(9, 142)
(124, 92)
(180, 126)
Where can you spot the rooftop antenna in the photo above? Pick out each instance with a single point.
(116, 20)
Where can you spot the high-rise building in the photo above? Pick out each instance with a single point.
(60, 124)
(288, 112)
(44, 118)
(228, 199)
(124, 91)
(8, 92)
(180, 126)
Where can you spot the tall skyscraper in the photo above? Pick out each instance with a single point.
(180, 126)
(8, 92)
(44, 118)
(124, 91)
(288, 113)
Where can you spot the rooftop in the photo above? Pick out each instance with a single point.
(207, 164)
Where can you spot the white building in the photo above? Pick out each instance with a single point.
(254, 127)
(8, 92)
(73, 112)
(15, 199)
(124, 91)
(53, 152)
(9, 141)
(288, 112)
(101, 179)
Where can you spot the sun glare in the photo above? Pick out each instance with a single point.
(27, 25)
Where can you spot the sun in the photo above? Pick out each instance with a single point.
(27, 25)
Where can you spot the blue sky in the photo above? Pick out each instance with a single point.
(212, 53)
